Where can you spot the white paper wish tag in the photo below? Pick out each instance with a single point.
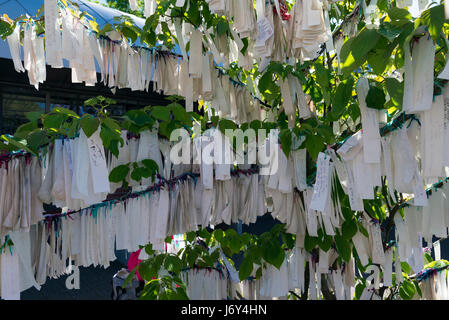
(446, 9)
(99, 169)
(321, 187)
(420, 195)
(422, 4)
(388, 268)
(265, 31)
(377, 251)
(180, 3)
(437, 250)
(133, 5)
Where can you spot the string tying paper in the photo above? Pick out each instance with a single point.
(124, 196)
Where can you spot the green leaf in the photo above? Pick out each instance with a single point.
(407, 33)
(266, 83)
(149, 249)
(395, 90)
(129, 33)
(396, 13)
(218, 235)
(363, 230)
(359, 290)
(108, 136)
(65, 111)
(215, 255)
(180, 114)
(156, 264)
(427, 258)
(349, 229)
(25, 129)
(245, 238)
(255, 125)
(324, 240)
(245, 45)
(355, 50)
(322, 77)
(406, 267)
(194, 13)
(226, 250)
(119, 173)
(34, 116)
(53, 121)
(375, 98)
(190, 236)
(326, 133)
(151, 164)
(37, 139)
(272, 251)
(348, 63)
(137, 174)
(106, 28)
(363, 43)
(224, 124)
(286, 141)
(310, 242)
(354, 111)
(6, 29)
(130, 277)
(378, 60)
(314, 144)
(222, 27)
(347, 213)
(246, 267)
(258, 273)
(434, 18)
(418, 289)
(113, 146)
(343, 247)
(389, 30)
(234, 242)
(112, 124)
(341, 98)
(151, 290)
(138, 117)
(89, 124)
(161, 113)
(173, 263)
(18, 144)
(147, 172)
(407, 290)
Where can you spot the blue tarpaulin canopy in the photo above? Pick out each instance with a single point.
(102, 15)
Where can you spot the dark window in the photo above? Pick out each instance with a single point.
(14, 109)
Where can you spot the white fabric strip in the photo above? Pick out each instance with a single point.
(418, 80)
(180, 37)
(388, 268)
(52, 34)
(196, 54)
(14, 48)
(370, 125)
(289, 108)
(133, 5)
(99, 169)
(321, 188)
(149, 8)
(432, 139)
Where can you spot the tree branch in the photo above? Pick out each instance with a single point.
(305, 294)
(328, 295)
